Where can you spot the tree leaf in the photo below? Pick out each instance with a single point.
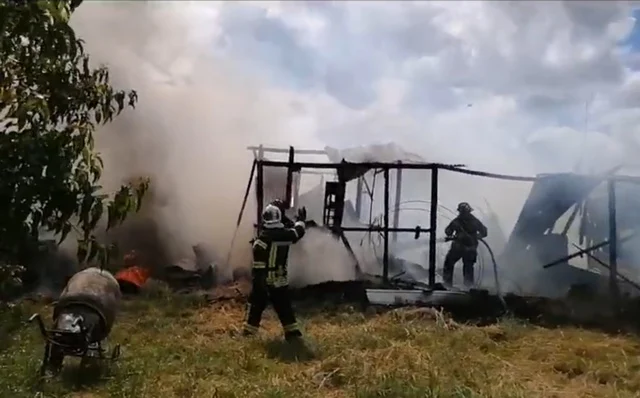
(52, 100)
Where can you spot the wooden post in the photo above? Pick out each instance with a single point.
(396, 213)
(433, 220)
(613, 245)
(288, 195)
(385, 258)
(359, 183)
(259, 188)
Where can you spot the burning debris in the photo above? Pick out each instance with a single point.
(83, 318)
(134, 275)
(198, 271)
(195, 272)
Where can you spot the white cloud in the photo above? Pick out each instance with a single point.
(463, 81)
(503, 86)
(472, 79)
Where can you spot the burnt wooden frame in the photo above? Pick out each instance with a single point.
(385, 167)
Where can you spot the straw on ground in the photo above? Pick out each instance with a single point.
(176, 346)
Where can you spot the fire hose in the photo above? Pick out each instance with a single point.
(495, 271)
(495, 274)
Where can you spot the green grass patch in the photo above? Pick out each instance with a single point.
(180, 346)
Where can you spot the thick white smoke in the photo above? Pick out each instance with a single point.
(193, 122)
(197, 114)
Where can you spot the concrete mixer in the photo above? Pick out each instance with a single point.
(83, 317)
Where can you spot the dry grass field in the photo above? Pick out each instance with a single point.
(182, 346)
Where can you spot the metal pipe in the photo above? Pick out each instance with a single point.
(296, 194)
(605, 265)
(572, 217)
(382, 229)
(244, 204)
(311, 172)
(385, 259)
(289, 178)
(282, 150)
(459, 168)
(586, 251)
(613, 245)
(411, 166)
(369, 165)
(433, 220)
(396, 214)
(259, 190)
(246, 193)
(359, 184)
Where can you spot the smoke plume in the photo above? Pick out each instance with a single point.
(191, 127)
(196, 115)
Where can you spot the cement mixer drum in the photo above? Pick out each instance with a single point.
(93, 293)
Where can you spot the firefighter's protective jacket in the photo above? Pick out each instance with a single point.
(271, 253)
(466, 229)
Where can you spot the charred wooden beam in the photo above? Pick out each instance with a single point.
(359, 185)
(289, 178)
(382, 229)
(259, 189)
(396, 212)
(433, 220)
(586, 251)
(385, 259)
(613, 245)
(283, 150)
(605, 265)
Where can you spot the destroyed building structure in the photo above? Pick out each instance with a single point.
(561, 214)
(370, 200)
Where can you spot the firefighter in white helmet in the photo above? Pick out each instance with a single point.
(269, 271)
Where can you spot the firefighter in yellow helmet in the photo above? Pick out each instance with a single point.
(269, 271)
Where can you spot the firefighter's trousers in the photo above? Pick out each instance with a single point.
(261, 295)
(468, 255)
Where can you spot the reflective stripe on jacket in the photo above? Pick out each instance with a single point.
(271, 253)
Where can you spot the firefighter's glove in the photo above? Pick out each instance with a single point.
(302, 214)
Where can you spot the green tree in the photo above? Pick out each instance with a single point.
(51, 101)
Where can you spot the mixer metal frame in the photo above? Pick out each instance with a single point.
(60, 344)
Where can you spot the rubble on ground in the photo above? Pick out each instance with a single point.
(238, 290)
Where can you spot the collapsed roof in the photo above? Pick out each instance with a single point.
(381, 153)
(550, 199)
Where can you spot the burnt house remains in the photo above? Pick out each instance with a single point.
(537, 251)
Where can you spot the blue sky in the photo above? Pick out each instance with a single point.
(492, 74)
(481, 83)
(633, 39)
(518, 87)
